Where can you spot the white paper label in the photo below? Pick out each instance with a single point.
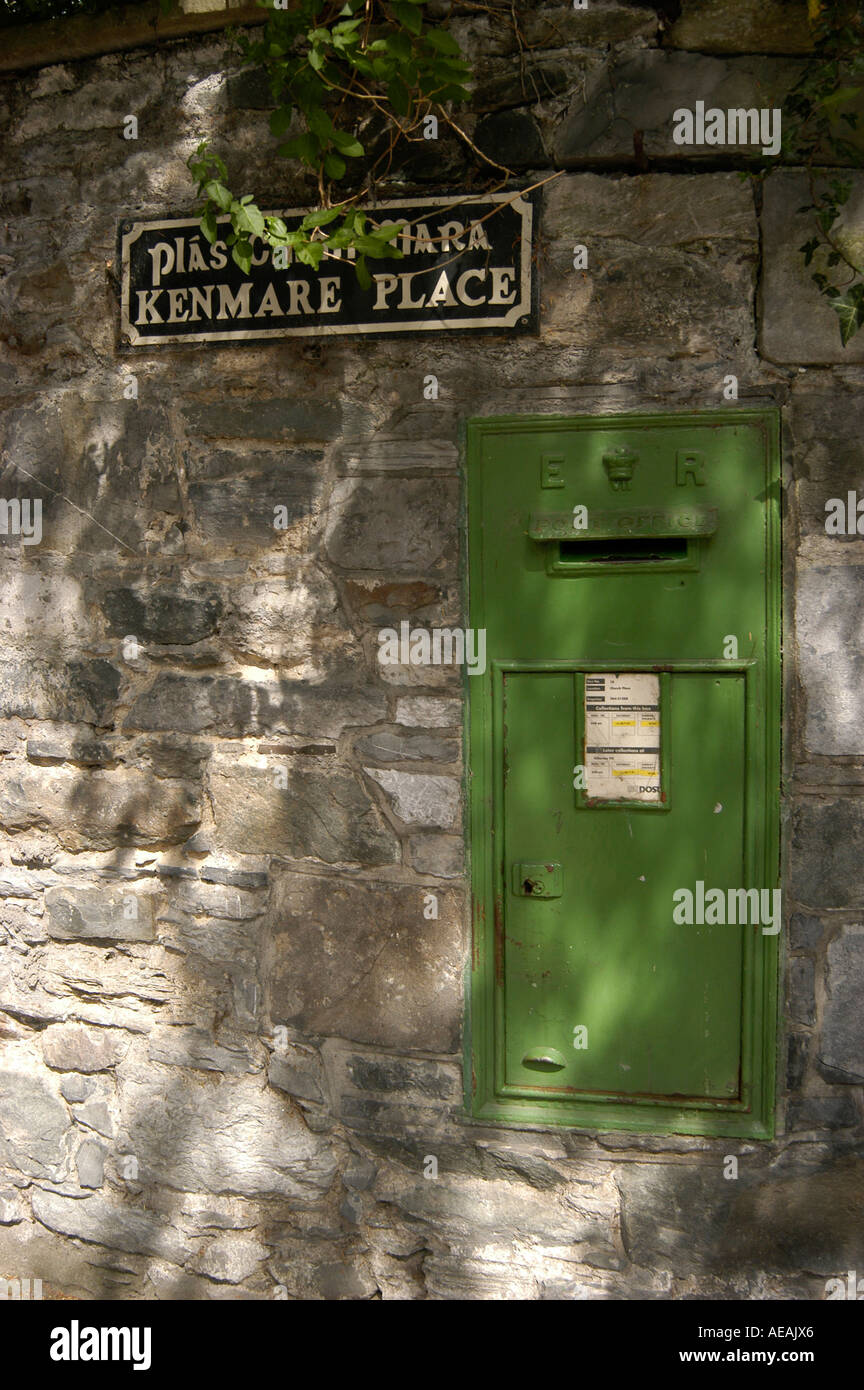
(622, 737)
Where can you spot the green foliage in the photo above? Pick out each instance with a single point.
(822, 124)
(328, 62)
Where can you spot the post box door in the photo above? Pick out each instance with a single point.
(651, 667)
(660, 1014)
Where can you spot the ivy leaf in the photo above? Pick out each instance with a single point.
(808, 249)
(319, 122)
(370, 247)
(197, 163)
(849, 309)
(840, 191)
(452, 93)
(343, 237)
(209, 226)
(346, 144)
(406, 15)
(388, 230)
(250, 219)
(242, 254)
(203, 158)
(319, 218)
(826, 217)
(334, 167)
(399, 45)
(218, 193)
(311, 253)
(304, 147)
(842, 94)
(453, 68)
(444, 42)
(280, 120)
(363, 277)
(399, 97)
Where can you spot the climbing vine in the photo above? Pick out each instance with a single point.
(823, 127)
(337, 69)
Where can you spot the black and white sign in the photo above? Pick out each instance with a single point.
(622, 737)
(466, 267)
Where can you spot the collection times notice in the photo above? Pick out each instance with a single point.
(622, 737)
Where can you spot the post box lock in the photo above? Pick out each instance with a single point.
(537, 880)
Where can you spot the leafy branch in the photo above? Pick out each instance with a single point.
(331, 64)
(822, 125)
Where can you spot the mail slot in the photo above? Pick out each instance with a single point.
(624, 750)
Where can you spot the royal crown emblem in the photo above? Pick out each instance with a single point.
(619, 465)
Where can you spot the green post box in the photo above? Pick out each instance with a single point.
(624, 754)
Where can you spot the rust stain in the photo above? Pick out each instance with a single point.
(499, 941)
(402, 598)
(669, 1097)
(478, 912)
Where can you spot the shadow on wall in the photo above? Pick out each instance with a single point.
(195, 858)
(182, 689)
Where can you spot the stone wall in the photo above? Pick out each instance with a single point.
(232, 1040)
